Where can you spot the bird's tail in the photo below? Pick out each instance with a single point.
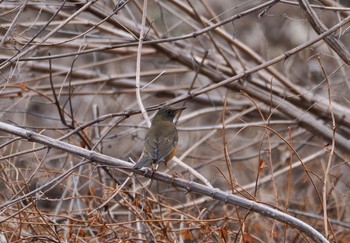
(142, 162)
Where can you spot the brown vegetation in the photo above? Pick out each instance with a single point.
(266, 87)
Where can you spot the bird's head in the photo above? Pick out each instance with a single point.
(168, 113)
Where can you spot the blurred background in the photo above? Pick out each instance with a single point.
(258, 129)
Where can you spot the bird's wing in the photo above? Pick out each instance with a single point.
(161, 143)
(144, 161)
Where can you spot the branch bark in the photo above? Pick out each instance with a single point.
(189, 186)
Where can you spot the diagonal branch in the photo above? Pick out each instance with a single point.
(189, 186)
(334, 43)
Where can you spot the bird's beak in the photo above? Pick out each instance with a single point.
(181, 108)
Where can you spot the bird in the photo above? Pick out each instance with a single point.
(161, 139)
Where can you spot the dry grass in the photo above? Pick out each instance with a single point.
(267, 119)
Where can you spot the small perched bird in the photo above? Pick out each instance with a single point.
(161, 138)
